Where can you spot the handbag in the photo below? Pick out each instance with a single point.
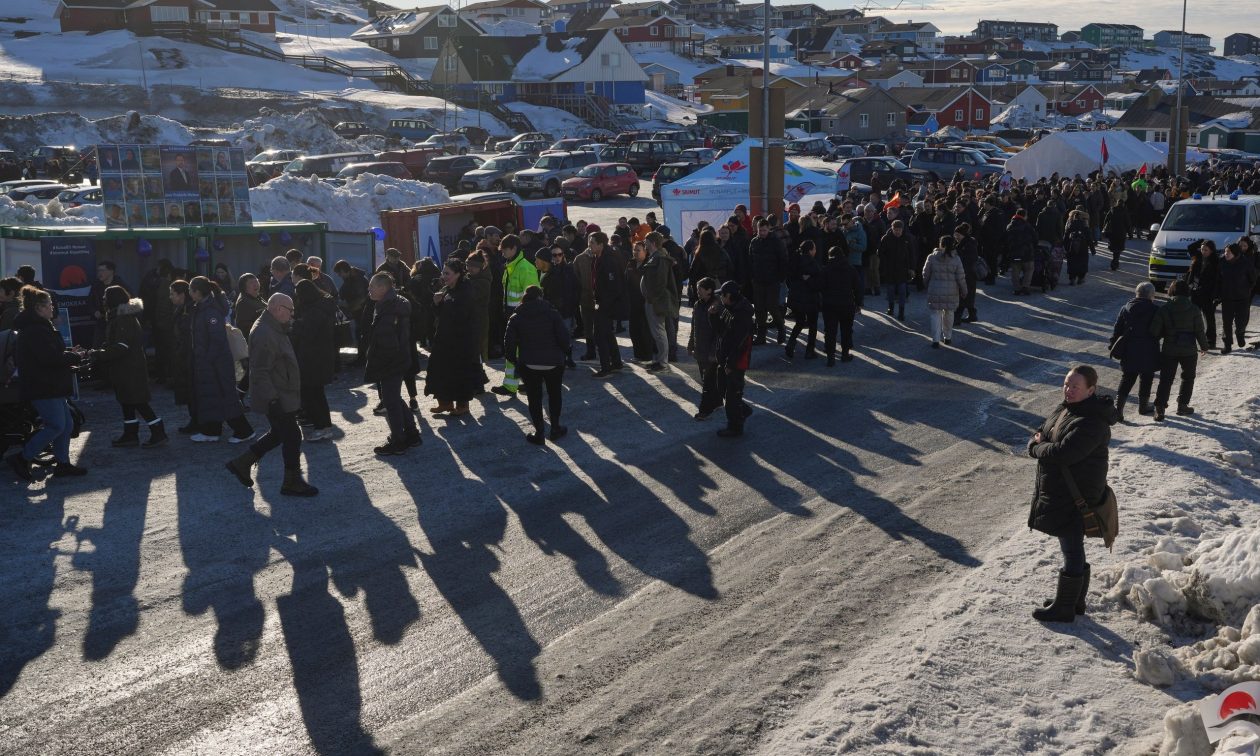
(1102, 520)
(237, 343)
(982, 268)
(1117, 349)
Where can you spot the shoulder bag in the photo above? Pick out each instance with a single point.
(1102, 520)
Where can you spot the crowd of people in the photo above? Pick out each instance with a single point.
(533, 298)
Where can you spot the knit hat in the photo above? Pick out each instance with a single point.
(116, 295)
(730, 288)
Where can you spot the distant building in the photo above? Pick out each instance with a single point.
(642, 34)
(961, 107)
(1241, 43)
(924, 35)
(530, 12)
(416, 33)
(1201, 43)
(1023, 29)
(749, 47)
(141, 17)
(1112, 35)
(1070, 36)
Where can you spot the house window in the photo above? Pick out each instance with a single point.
(955, 73)
(395, 43)
(447, 20)
(890, 119)
(864, 120)
(1159, 137)
(611, 60)
(160, 14)
(958, 116)
(979, 114)
(656, 31)
(1080, 103)
(430, 43)
(1194, 137)
(246, 19)
(451, 64)
(623, 31)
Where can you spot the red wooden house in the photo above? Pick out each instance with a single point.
(1071, 100)
(961, 107)
(149, 16)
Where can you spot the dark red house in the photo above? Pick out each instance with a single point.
(962, 107)
(150, 16)
(1073, 101)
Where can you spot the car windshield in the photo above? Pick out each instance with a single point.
(894, 163)
(590, 171)
(550, 162)
(1205, 217)
(295, 166)
(497, 164)
(66, 196)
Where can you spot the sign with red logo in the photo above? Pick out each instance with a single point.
(734, 168)
(1234, 710)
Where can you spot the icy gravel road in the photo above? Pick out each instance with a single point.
(641, 587)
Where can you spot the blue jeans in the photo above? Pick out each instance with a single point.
(900, 291)
(58, 425)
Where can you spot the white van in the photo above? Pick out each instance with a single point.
(1220, 219)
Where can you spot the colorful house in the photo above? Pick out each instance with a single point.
(152, 16)
(960, 107)
(642, 34)
(416, 33)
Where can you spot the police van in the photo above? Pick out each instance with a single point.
(1221, 219)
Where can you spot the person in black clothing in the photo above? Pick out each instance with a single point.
(122, 356)
(105, 278)
(1238, 280)
(610, 302)
(214, 395)
(455, 374)
(1138, 351)
(424, 282)
(768, 264)
(314, 344)
(354, 295)
(388, 360)
(968, 253)
(1070, 443)
(701, 346)
(46, 380)
(1204, 280)
(840, 291)
(1021, 251)
(896, 256)
(733, 334)
(560, 288)
(803, 298)
(395, 267)
(536, 340)
(1116, 228)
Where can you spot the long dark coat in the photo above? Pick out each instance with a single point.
(122, 354)
(803, 283)
(1075, 436)
(1139, 352)
(181, 361)
(314, 342)
(45, 367)
(455, 373)
(213, 371)
(389, 344)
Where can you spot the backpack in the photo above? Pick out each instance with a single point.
(9, 390)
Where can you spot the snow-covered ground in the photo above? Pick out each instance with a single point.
(356, 206)
(1173, 617)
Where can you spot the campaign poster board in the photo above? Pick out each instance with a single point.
(147, 186)
(429, 237)
(68, 268)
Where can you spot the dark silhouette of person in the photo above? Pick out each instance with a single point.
(179, 179)
(129, 162)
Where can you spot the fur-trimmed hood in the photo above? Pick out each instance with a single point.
(131, 307)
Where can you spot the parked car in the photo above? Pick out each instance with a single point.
(836, 140)
(76, 197)
(531, 147)
(615, 153)
(380, 168)
(992, 153)
(351, 129)
(943, 162)
(453, 144)
(628, 138)
(65, 155)
(325, 166)
(648, 155)
(813, 147)
(411, 128)
(275, 156)
(844, 152)
(698, 155)
(8, 186)
(549, 172)
(10, 166)
(669, 173)
(684, 139)
(37, 193)
(599, 180)
(876, 149)
(496, 174)
(728, 139)
(449, 169)
(568, 145)
(474, 134)
(503, 145)
(997, 141)
(880, 172)
(415, 159)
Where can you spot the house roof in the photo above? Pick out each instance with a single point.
(931, 99)
(904, 27)
(840, 104)
(743, 39)
(400, 23)
(633, 9)
(585, 19)
(117, 4)
(488, 4)
(885, 71)
(245, 5)
(1125, 27)
(1155, 112)
(528, 58)
(617, 23)
(810, 37)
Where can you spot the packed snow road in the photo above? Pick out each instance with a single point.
(640, 587)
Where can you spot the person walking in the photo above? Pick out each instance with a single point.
(537, 341)
(768, 263)
(896, 260)
(46, 380)
(946, 287)
(122, 357)
(1079, 241)
(660, 298)
(803, 281)
(314, 342)
(248, 308)
(561, 290)
(1238, 281)
(1180, 324)
(584, 269)
(734, 337)
(388, 360)
(275, 387)
(1071, 445)
(179, 371)
(1138, 351)
(455, 374)
(480, 285)
(1021, 240)
(840, 296)
(518, 275)
(700, 344)
(969, 254)
(1204, 280)
(610, 303)
(214, 396)
(355, 303)
(1116, 227)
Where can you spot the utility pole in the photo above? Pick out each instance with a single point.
(1177, 150)
(765, 108)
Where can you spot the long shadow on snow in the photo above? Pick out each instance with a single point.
(30, 529)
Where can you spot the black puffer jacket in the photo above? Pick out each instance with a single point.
(1238, 278)
(536, 335)
(314, 341)
(1075, 436)
(840, 288)
(767, 260)
(44, 365)
(1139, 352)
(122, 354)
(803, 283)
(389, 343)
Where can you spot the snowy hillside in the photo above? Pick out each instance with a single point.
(1197, 64)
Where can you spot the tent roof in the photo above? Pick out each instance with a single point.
(1071, 152)
(734, 170)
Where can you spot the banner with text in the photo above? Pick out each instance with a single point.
(68, 267)
(149, 186)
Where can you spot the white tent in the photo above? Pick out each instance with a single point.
(711, 193)
(1071, 152)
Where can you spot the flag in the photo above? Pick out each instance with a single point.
(894, 202)
(1105, 155)
(1142, 170)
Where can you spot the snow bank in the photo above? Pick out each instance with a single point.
(27, 132)
(307, 130)
(354, 207)
(49, 214)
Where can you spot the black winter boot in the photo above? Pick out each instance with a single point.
(130, 435)
(1080, 601)
(1117, 414)
(1063, 608)
(157, 434)
(901, 313)
(242, 466)
(294, 485)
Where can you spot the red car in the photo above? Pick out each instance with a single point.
(599, 180)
